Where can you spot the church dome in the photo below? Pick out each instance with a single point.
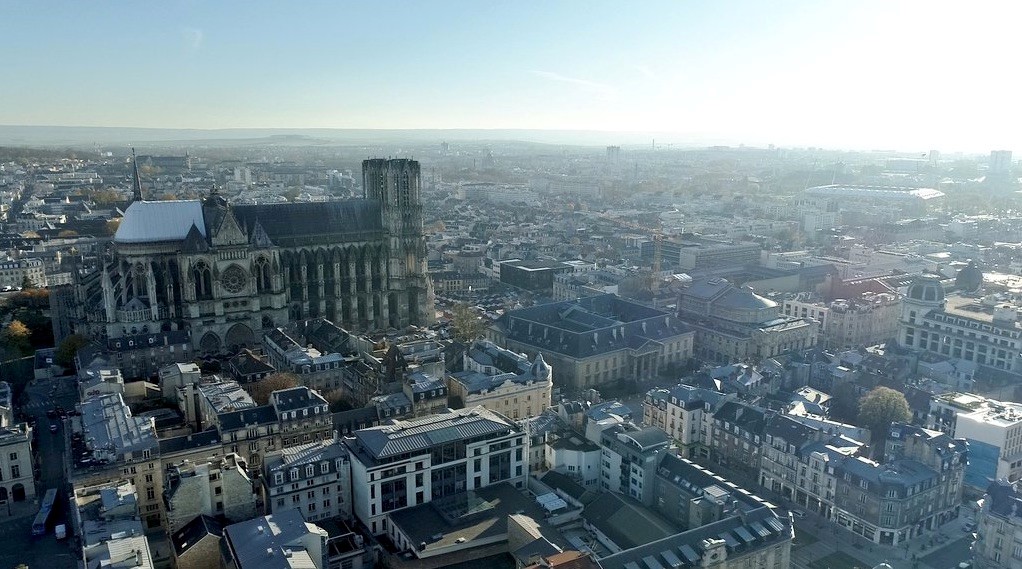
(926, 289)
(970, 278)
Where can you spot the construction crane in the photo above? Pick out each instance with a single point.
(656, 232)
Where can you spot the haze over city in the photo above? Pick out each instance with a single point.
(510, 285)
(891, 75)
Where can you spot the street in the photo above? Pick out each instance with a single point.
(48, 448)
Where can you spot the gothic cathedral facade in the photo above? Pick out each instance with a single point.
(218, 274)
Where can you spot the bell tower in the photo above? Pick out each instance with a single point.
(396, 185)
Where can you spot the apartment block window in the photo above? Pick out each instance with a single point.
(864, 484)
(150, 494)
(15, 471)
(218, 491)
(310, 470)
(311, 494)
(149, 478)
(278, 478)
(13, 456)
(312, 507)
(280, 502)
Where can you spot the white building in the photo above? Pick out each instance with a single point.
(413, 462)
(16, 481)
(981, 330)
(993, 429)
(502, 381)
(685, 413)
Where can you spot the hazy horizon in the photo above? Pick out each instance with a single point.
(909, 76)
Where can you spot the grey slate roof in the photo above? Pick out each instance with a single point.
(147, 222)
(261, 542)
(195, 531)
(588, 326)
(294, 224)
(419, 435)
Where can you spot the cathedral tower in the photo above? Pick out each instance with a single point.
(396, 185)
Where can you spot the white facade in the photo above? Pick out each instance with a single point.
(16, 481)
(398, 466)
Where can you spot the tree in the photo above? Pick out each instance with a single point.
(261, 390)
(67, 350)
(26, 282)
(878, 409)
(468, 326)
(16, 337)
(112, 225)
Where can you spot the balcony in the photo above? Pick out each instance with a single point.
(144, 315)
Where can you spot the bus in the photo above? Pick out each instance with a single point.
(39, 525)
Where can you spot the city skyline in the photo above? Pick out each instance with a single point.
(909, 76)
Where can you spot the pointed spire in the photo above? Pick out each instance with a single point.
(136, 194)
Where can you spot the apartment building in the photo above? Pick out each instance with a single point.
(110, 444)
(17, 483)
(275, 541)
(999, 528)
(294, 416)
(628, 460)
(502, 381)
(219, 488)
(735, 439)
(917, 488)
(413, 462)
(313, 478)
(798, 460)
(685, 413)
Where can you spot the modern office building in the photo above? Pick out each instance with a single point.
(413, 462)
(993, 430)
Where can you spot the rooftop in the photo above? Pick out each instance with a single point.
(419, 435)
(274, 541)
(111, 431)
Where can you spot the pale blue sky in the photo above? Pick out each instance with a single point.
(866, 74)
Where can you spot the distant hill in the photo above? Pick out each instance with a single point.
(64, 136)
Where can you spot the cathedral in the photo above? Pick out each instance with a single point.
(218, 274)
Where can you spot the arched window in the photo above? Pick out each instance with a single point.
(262, 275)
(203, 280)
